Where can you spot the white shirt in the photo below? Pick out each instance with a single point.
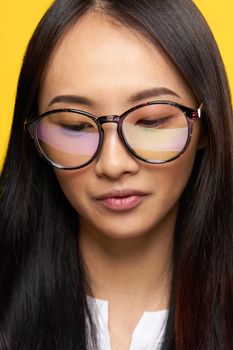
(148, 334)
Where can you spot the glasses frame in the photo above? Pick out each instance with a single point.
(189, 113)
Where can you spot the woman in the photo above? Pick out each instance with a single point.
(116, 192)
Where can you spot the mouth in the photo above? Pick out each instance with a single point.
(121, 200)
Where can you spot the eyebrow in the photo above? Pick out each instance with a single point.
(154, 92)
(73, 99)
(76, 99)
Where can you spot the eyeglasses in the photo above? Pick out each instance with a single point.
(155, 132)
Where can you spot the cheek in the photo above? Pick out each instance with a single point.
(172, 179)
(73, 185)
(175, 175)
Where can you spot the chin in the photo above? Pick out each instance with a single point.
(129, 225)
(126, 231)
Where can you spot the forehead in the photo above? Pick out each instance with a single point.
(101, 58)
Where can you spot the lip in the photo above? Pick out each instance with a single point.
(120, 200)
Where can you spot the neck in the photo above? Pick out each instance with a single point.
(136, 270)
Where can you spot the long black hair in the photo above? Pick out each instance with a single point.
(43, 281)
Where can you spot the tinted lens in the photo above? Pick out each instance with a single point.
(68, 139)
(156, 133)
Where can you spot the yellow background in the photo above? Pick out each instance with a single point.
(19, 18)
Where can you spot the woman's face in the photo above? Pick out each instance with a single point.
(108, 65)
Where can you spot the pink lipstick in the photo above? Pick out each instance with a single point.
(121, 200)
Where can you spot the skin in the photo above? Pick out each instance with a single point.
(108, 64)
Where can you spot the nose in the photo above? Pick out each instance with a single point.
(114, 159)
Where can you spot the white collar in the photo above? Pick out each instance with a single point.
(147, 335)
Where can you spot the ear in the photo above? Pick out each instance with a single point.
(203, 137)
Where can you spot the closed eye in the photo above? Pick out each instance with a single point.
(77, 127)
(153, 123)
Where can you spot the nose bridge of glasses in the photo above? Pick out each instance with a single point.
(109, 119)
